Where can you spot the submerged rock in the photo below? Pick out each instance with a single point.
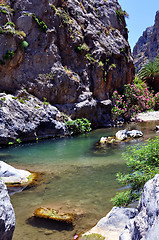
(7, 216)
(49, 213)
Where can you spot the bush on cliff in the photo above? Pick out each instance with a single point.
(78, 126)
(143, 163)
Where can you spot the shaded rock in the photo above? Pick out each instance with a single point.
(157, 128)
(49, 213)
(110, 227)
(7, 216)
(134, 133)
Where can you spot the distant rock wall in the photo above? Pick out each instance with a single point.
(77, 53)
(7, 216)
(147, 47)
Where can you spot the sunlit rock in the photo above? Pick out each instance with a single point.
(49, 213)
(7, 216)
(14, 177)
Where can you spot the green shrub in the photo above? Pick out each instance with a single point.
(136, 98)
(24, 44)
(83, 47)
(78, 126)
(143, 163)
(9, 24)
(9, 55)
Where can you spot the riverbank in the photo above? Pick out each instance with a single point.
(148, 116)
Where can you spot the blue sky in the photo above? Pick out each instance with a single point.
(141, 15)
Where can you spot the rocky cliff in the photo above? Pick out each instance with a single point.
(73, 53)
(147, 47)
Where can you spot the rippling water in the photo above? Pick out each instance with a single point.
(77, 177)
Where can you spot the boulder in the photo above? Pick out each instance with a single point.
(134, 133)
(121, 135)
(11, 175)
(124, 134)
(49, 213)
(145, 225)
(25, 118)
(113, 223)
(7, 216)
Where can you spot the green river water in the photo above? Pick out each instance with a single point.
(76, 177)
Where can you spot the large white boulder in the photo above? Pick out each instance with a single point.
(124, 134)
(11, 175)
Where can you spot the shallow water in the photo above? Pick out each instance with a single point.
(77, 178)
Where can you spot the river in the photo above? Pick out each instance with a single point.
(76, 177)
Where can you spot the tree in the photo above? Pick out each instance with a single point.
(150, 70)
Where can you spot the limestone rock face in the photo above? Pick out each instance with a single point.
(146, 224)
(77, 55)
(26, 118)
(147, 47)
(7, 216)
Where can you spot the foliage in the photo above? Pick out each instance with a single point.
(19, 140)
(9, 55)
(156, 100)
(143, 163)
(93, 236)
(45, 101)
(9, 24)
(24, 44)
(136, 98)
(83, 47)
(150, 70)
(90, 58)
(78, 126)
(41, 24)
(3, 11)
(120, 13)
